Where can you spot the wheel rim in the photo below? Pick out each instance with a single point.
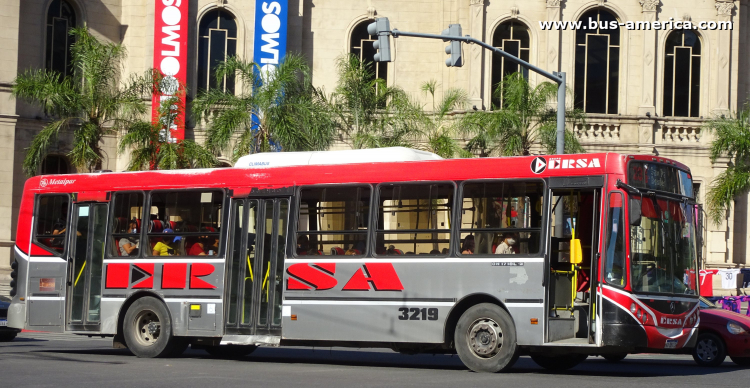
(147, 328)
(485, 337)
(707, 350)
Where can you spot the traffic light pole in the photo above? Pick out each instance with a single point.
(558, 77)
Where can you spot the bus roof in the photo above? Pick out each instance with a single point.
(374, 155)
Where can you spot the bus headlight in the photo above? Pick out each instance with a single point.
(735, 328)
(632, 308)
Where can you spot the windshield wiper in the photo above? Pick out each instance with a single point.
(628, 188)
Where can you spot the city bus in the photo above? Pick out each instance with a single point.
(554, 256)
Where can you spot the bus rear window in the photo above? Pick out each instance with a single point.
(52, 222)
(414, 219)
(333, 220)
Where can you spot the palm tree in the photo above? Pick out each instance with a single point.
(523, 119)
(276, 110)
(441, 133)
(732, 139)
(371, 114)
(150, 145)
(91, 103)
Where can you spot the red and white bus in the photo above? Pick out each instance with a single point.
(557, 257)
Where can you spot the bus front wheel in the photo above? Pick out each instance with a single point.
(148, 329)
(485, 339)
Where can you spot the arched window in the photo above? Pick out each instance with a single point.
(217, 41)
(682, 70)
(513, 38)
(60, 19)
(597, 63)
(361, 46)
(54, 164)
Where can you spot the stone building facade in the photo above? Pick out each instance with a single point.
(645, 91)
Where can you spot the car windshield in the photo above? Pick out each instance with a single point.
(663, 247)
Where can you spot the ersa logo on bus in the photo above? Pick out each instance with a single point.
(539, 164)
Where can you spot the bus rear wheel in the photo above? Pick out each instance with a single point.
(485, 339)
(558, 363)
(148, 329)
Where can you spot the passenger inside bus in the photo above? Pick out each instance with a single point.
(168, 246)
(507, 246)
(468, 246)
(128, 245)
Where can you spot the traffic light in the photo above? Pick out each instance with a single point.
(382, 28)
(454, 48)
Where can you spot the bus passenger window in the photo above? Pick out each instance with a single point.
(333, 220)
(52, 222)
(614, 267)
(414, 219)
(502, 218)
(184, 223)
(126, 224)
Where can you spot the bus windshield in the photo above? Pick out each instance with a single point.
(663, 247)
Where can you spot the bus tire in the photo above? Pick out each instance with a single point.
(230, 351)
(485, 339)
(615, 357)
(558, 363)
(148, 329)
(709, 350)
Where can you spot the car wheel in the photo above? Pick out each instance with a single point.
(615, 357)
(709, 350)
(485, 339)
(7, 337)
(230, 351)
(741, 361)
(148, 329)
(558, 363)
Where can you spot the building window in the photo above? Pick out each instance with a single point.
(54, 164)
(682, 70)
(361, 46)
(597, 63)
(217, 41)
(60, 19)
(513, 38)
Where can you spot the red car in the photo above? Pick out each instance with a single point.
(722, 333)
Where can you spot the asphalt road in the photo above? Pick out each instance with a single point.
(60, 360)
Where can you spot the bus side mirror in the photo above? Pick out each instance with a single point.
(634, 213)
(576, 254)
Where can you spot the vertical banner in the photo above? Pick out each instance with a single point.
(269, 43)
(170, 58)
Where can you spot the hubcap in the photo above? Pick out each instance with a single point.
(485, 337)
(706, 350)
(148, 328)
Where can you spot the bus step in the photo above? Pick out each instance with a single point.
(561, 328)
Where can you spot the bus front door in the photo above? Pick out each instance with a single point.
(255, 266)
(84, 285)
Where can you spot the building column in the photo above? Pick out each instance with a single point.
(8, 71)
(648, 85)
(717, 238)
(553, 37)
(476, 53)
(724, 9)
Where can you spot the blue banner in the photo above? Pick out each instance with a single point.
(271, 20)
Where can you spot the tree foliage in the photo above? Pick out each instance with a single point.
(91, 103)
(276, 110)
(523, 119)
(370, 114)
(731, 139)
(440, 131)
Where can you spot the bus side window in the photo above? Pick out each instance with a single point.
(184, 223)
(502, 217)
(52, 222)
(614, 267)
(333, 220)
(414, 219)
(126, 223)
